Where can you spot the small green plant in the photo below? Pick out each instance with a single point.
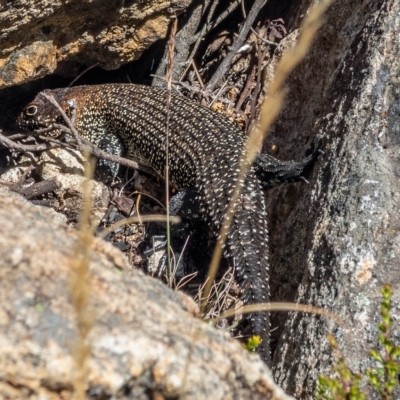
(383, 379)
(252, 343)
(345, 386)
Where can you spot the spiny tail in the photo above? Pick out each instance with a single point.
(246, 245)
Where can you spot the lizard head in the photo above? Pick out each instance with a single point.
(40, 113)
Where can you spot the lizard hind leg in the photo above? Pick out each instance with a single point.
(187, 237)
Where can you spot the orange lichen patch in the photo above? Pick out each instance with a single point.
(149, 32)
(364, 270)
(32, 62)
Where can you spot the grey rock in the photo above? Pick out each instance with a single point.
(146, 340)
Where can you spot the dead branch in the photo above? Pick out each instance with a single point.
(264, 40)
(184, 40)
(86, 145)
(227, 61)
(67, 120)
(46, 203)
(10, 144)
(37, 188)
(208, 26)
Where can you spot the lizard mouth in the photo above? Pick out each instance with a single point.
(30, 124)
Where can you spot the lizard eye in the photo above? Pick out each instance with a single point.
(31, 111)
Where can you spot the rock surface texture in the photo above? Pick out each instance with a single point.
(333, 243)
(145, 342)
(40, 37)
(336, 245)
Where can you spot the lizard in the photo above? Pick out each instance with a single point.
(205, 151)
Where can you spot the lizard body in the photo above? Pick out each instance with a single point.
(205, 150)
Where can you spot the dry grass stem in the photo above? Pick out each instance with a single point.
(79, 286)
(138, 199)
(269, 111)
(150, 197)
(170, 66)
(171, 279)
(185, 280)
(83, 72)
(139, 220)
(218, 297)
(283, 307)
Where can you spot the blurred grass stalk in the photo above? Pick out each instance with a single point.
(79, 280)
(79, 287)
(283, 306)
(269, 111)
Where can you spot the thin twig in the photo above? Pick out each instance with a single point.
(83, 72)
(247, 89)
(208, 26)
(232, 7)
(86, 145)
(94, 150)
(254, 31)
(128, 181)
(149, 196)
(197, 74)
(178, 261)
(24, 135)
(214, 304)
(264, 40)
(67, 120)
(35, 189)
(18, 136)
(6, 142)
(97, 152)
(56, 142)
(185, 280)
(185, 86)
(243, 9)
(218, 94)
(261, 54)
(138, 199)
